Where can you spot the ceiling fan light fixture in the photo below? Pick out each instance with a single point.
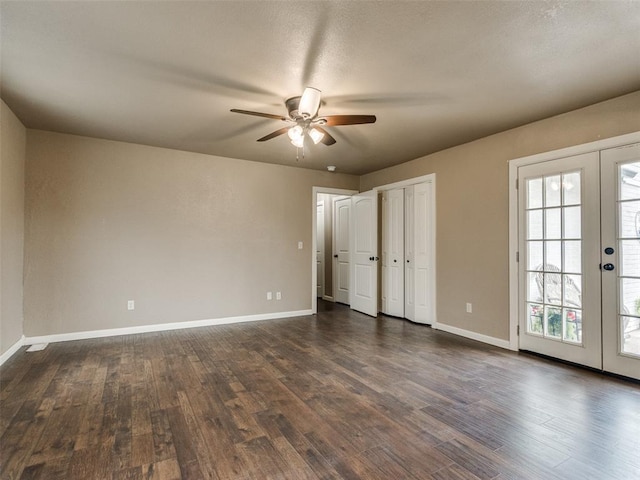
(316, 135)
(298, 142)
(296, 133)
(309, 102)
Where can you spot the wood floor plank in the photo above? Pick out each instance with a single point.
(337, 395)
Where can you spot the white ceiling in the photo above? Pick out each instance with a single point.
(436, 74)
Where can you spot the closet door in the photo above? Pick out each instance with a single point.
(422, 253)
(393, 252)
(409, 263)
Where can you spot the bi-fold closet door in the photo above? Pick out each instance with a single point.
(406, 253)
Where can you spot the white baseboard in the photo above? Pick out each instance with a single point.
(111, 332)
(13, 349)
(496, 342)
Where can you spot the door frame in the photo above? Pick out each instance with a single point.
(516, 163)
(314, 232)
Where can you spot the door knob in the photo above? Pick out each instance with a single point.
(371, 258)
(609, 251)
(407, 261)
(608, 266)
(395, 261)
(335, 256)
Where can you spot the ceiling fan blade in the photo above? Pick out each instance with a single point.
(309, 102)
(275, 134)
(335, 120)
(327, 139)
(259, 114)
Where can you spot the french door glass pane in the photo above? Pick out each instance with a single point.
(572, 222)
(535, 258)
(571, 188)
(553, 225)
(552, 191)
(534, 197)
(630, 256)
(572, 326)
(629, 219)
(534, 223)
(554, 257)
(573, 256)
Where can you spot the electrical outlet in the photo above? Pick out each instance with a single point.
(269, 296)
(278, 296)
(469, 308)
(131, 305)
(300, 245)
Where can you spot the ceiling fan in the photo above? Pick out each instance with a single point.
(303, 120)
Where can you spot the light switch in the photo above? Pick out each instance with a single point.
(300, 245)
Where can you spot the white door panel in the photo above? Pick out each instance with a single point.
(341, 253)
(409, 242)
(559, 245)
(422, 253)
(620, 250)
(364, 251)
(393, 252)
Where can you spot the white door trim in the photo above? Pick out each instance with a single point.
(513, 210)
(314, 227)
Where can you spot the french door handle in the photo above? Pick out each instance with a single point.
(608, 267)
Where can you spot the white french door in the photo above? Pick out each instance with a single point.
(559, 259)
(620, 170)
(579, 259)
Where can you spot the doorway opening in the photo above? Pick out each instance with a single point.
(346, 263)
(328, 236)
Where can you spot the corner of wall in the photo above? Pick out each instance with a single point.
(13, 139)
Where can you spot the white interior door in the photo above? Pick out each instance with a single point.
(393, 252)
(341, 255)
(364, 251)
(409, 255)
(422, 253)
(559, 259)
(620, 250)
(320, 249)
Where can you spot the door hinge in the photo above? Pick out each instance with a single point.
(518, 331)
(517, 183)
(517, 257)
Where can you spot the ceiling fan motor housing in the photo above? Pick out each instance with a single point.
(292, 107)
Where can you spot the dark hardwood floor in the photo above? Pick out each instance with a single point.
(337, 395)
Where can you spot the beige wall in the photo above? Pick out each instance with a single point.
(12, 160)
(187, 236)
(472, 206)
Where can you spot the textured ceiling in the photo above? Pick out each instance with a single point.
(436, 74)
